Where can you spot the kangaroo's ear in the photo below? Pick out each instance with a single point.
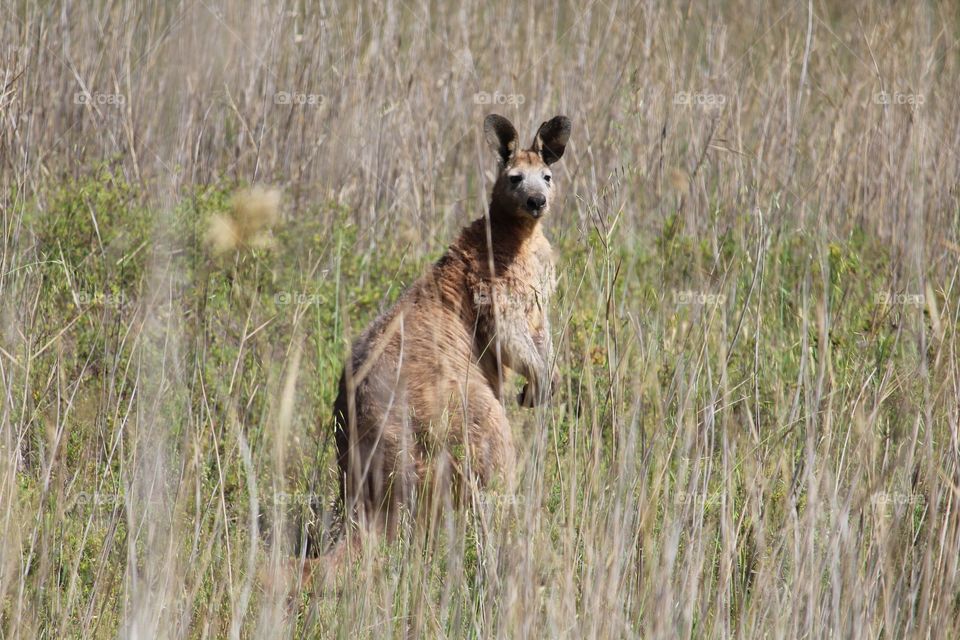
(551, 139)
(501, 136)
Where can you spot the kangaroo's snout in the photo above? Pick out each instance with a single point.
(535, 204)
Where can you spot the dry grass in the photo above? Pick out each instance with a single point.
(757, 323)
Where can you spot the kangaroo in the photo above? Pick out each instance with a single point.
(421, 398)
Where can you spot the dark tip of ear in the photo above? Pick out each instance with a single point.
(560, 124)
(551, 139)
(495, 120)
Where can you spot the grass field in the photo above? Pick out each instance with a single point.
(758, 244)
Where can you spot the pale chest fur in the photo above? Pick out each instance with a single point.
(531, 280)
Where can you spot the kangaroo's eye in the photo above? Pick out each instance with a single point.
(547, 177)
(517, 179)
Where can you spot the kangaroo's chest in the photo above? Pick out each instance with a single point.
(530, 281)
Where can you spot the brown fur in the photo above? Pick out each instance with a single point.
(420, 407)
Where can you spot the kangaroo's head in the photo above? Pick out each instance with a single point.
(524, 187)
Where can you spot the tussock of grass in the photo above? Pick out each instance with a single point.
(252, 214)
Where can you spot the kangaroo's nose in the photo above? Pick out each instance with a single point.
(536, 202)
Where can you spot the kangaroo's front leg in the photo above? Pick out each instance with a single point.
(523, 348)
(539, 388)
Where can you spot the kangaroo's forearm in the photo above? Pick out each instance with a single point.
(521, 352)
